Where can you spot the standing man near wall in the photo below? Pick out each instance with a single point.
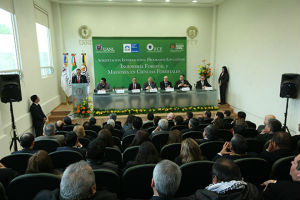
(38, 116)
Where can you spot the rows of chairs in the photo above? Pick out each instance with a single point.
(136, 181)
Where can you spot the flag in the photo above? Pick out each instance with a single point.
(74, 66)
(65, 81)
(84, 71)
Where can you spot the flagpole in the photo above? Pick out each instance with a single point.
(66, 65)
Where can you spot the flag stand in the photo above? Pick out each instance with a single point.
(67, 100)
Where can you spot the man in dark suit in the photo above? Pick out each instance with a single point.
(72, 144)
(165, 84)
(38, 116)
(149, 84)
(162, 128)
(182, 83)
(78, 78)
(50, 135)
(134, 85)
(193, 125)
(27, 142)
(202, 83)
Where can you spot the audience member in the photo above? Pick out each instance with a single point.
(179, 120)
(193, 125)
(37, 115)
(272, 126)
(150, 118)
(162, 128)
(227, 116)
(219, 115)
(206, 119)
(68, 121)
(219, 123)
(156, 120)
(227, 184)
(241, 122)
(79, 130)
(106, 137)
(6, 175)
(128, 123)
(189, 152)
(72, 144)
(166, 180)
(112, 130)
(136, 125)
(50, 135)
(235, 149)
(93, 125)
(111, 122)
(279, 147)
(27, 142)
(266, 121)
(77, 182)
(59, 125)
(209, 134)
(289, 190)
(175, 136)
(170, 118)
(140, 137)
(189, 115)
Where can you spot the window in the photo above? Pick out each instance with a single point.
(9, 55)
(44, 41)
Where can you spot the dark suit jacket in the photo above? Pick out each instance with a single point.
(191, 129)
(24, 151)
(59, 138)
(179, 87)
(282, 190)
(158, 133)
(82, 79)
(162, 85)
(37, 114)
(153, 85)
(130, 87)
(80, 150)
(224, 79)
(271, 157)
(199, 85)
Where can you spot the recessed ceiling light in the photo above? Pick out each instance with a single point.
(194, 1)
(139, 0)
(167, 0)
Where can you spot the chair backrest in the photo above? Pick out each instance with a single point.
(113, 154)
(116, 141)
(147, 125)
(254, 145)
(178, 127)
(47, 145)
(281, 168)
(95, 128)
(84, 141)
(193, 134)
(254, 170)
(127, 141)
(224, 134)
(160, 140)
(118, 133)
(211, 148)
(3, 195)
(136, 182)
(130, 153)
(170, 151)
(62, 159)
(149, 130)
(203, 126)
(91, 134)
(26, 186)
(108, 179)
(249, 133)
(195, 175)
(61, 132)
(68, 128)
(294, 141)
(17, 162)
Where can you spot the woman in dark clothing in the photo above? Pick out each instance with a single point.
(223, 82)
(140, 137)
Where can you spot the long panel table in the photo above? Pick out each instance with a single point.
(112, 100)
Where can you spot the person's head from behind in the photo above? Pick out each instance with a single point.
(189, 115)
(111, 122)
(241, 115)
(175, 136)
(35, 99)
(78, 72)
(156, 120)
(27, 141)
(79, 130)
(40, 162)
(193, 123)
(140, 137)
(129, 119)
(163, 124)
(147, 154)
(78, 182)
(106, 137)
(67, 120)
(227, 113)
(273, 125)
(103, 81)
(207, 114)
(71, 139)
(96, 150)
(280, 140)
(219, 123)
(239, 129)
(225, 170)
(219, 115)
(59, 125)
(190, 151)
(295, 169)
(86, 125)
(49, 130)
(210, 132)
(150, 116)
(179, 120)
(113, 116)
(166, 179)
(170, 116)
(137, 123)
(108, 127)
(238, 144)
(92, 121)
(267, 117)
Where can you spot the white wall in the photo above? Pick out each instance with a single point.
(32, 82)
(259, 41)
(134, 22)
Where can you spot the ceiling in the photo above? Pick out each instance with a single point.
(189, 3)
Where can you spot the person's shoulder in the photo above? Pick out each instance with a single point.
(104, 195)
(47, 195)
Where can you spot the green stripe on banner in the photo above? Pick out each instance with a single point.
(119, 59)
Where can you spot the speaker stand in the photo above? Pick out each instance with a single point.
(285, 128)
(14, 138)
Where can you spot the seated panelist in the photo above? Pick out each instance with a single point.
(202, 83)
(182, 83)
(149, 84)
(103, 85)
(134, 85)
(165, 83)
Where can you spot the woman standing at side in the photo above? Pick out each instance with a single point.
(223, 82)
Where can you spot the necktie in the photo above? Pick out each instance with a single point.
(133, 86)
(166, 84)
(78, 79)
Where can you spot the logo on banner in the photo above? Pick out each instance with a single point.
(131, 48)
(178, 47)
(101, 49)
(151, 48)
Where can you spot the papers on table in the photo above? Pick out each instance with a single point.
(208, 88)
(120, 91)
(185, 89)
(169, 89)
(101, 92)
(136, 91)
(153, 90)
